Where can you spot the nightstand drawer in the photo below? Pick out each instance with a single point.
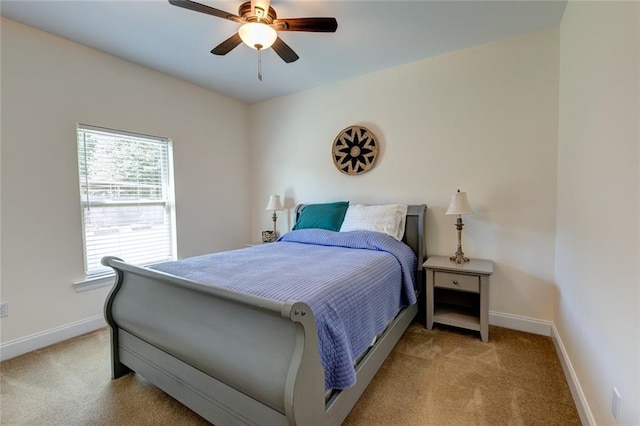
(469, 283)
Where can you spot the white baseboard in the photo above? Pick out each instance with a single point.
(23, 345)
(586, 417)
(517, 322)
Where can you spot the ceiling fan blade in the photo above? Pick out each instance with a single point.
(284, 51)
(192, 5)
(228, 45)
(316, 25)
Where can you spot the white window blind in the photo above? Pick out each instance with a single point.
(127, 197)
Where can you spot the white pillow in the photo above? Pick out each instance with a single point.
(387, 218)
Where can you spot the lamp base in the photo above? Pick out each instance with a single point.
(458, 257)
(274, 218)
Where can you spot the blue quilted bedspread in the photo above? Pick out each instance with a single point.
(354, 282)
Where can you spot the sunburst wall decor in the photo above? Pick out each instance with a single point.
(354, 150)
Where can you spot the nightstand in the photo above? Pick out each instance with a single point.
(458, 294)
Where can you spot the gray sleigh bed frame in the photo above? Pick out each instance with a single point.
(236, 358)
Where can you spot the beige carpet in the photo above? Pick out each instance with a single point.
(439, 377)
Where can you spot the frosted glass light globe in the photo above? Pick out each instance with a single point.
(257, 35)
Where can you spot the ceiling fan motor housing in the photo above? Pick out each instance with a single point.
(245, 11)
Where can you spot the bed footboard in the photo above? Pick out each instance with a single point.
(231, 357)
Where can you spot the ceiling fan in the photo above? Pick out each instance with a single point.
(259, 27)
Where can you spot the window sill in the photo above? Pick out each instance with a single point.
(94, 283)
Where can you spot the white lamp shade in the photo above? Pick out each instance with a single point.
(274, 203)
(459, 204)
(257, 35)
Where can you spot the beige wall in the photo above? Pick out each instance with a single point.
(49, 84)
(597, 253)
(483, 120)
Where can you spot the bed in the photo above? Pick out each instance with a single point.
(238, 358)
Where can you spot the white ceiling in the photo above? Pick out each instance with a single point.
(371, 35)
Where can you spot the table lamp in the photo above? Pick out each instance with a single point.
(274, 204)
(459, 205)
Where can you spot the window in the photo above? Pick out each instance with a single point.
(127, 198)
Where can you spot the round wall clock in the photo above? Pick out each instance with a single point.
(354, 150)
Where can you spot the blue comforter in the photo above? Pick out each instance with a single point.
(354, 282)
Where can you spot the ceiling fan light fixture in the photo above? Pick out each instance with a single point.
(257, 35)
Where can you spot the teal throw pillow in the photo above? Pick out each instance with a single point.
(325, 216)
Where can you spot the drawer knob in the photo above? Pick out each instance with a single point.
(455, 282)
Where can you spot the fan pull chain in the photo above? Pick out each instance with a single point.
(259, 65)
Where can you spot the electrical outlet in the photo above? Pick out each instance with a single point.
(615, 404)
(4, 309)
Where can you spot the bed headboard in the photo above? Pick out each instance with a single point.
(414, 230)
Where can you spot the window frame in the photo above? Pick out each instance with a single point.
(94, 278)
